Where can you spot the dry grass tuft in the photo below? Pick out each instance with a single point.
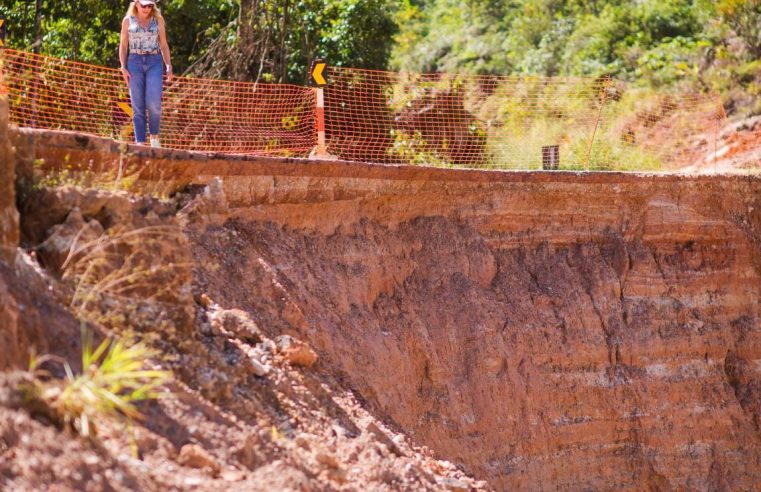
(112, 382)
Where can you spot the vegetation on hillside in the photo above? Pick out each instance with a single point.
(662, 54)
(690, 44)
(700, 44)
(240, 39)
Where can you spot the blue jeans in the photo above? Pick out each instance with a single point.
(145, 86)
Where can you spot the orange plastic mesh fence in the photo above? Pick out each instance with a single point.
(653, 131)
(385, 117)
(512, 122)
(197, 114)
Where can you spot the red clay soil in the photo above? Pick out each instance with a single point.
(541, 331)
(738, 150)
(244, 411)
(596, 334)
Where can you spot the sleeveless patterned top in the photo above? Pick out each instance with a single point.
(142, 39)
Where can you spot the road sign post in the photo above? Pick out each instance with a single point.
(318, 80)
(550, 157)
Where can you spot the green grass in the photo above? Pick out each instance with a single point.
(113, 381)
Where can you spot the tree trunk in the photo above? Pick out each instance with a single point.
(243, 64)
(283, 50)
(37, 44)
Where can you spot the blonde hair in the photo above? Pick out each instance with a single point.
(155, 11)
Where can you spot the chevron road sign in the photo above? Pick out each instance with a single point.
(2, 32)
(316, 74)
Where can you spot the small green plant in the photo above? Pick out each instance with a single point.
(414, 149)
(112, 382)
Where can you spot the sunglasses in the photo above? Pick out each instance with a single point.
(146, 6)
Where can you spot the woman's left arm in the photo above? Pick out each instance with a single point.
(164, 46)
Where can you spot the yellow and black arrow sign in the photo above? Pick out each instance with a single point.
(2, 32)
(317, 73)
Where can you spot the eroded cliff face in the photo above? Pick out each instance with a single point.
(9, 227)
(543, 330)
(558, 332)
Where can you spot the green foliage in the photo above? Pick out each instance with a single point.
(350, 33)
(192, 25)
(88, 30)
(656, 43)
(357, 33)
(744, 17)
(548, 37)
(112, 382)
(414, 149)
(665, 44)
(668, 63)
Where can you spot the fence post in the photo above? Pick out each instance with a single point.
(321, 150)
(603, 99)
(318, 79)
(721, 117)
(550, 157)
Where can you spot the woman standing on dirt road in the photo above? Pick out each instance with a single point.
(144, 55)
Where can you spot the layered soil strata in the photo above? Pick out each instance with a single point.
(543, 330)
(9, 226)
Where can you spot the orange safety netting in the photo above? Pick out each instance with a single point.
(197, 114)
(402, 118)
(513, 122)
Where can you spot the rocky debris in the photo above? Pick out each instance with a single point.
(374, 429)
(29, 300)
(328, 460)
(214, 196)
(68, 241)
(228, 424)
(296, 352)
(45, 208)
(279, 475)
(127, 251)
(211, 200)
(238, 323)
(194, 456)
(205, 301)
(214, 384)
(33, 455)
(11, 382)
(453, 484)
(232, 475)
(258, 368)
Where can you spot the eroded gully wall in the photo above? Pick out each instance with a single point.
(544, 330)
(9, 227)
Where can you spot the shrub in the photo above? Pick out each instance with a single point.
(112, 382)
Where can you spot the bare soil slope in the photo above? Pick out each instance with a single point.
(588, 332)
(245, 410)
(540, 330)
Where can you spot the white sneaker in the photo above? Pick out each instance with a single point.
(155, 142)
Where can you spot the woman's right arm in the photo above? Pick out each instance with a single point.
(124, 49)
